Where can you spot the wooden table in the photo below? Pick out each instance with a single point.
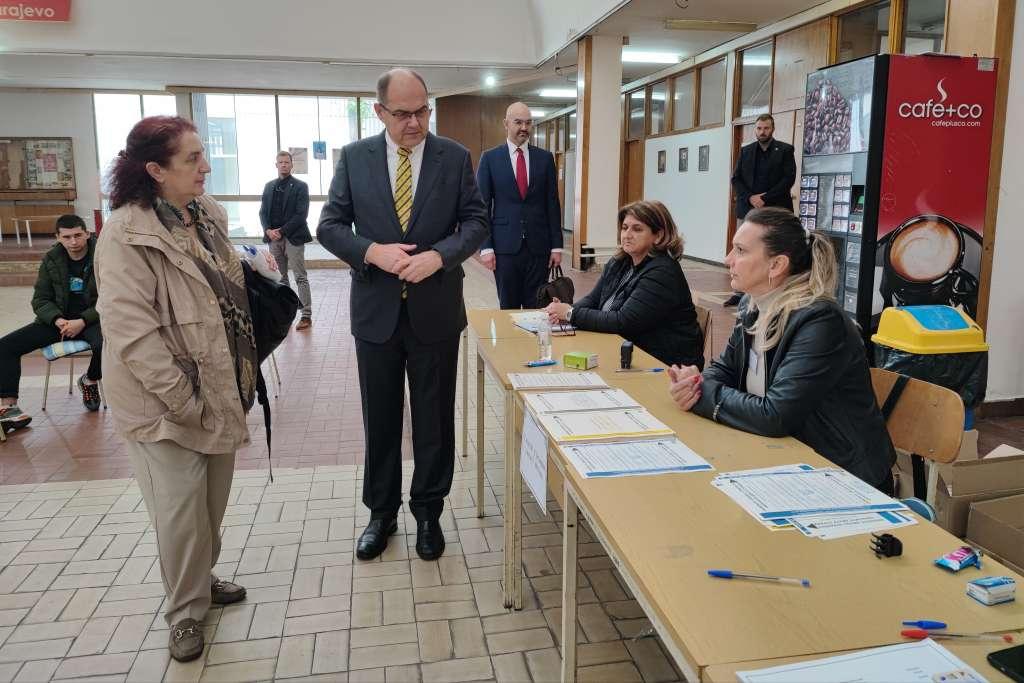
(503, 348)
(973, 653)
(664, 532)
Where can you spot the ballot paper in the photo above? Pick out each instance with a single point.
(788, 494)
(556, 380)
(633, 458)
(603, 425)
(924, 660)
(533, 461)
(529, 321)
(828, 527)
(570, 401)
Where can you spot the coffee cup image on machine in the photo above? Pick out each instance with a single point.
(930, 259)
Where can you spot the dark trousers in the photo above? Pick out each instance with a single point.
(35, 336)
(519, 276)
(432, 372)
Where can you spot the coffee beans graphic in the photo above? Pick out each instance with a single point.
(826, 121)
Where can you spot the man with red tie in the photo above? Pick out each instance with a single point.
(519, 185)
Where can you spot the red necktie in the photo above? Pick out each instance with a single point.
(521, 180)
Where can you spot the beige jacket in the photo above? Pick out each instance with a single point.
(167, 370)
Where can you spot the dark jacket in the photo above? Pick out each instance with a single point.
(51, 296)
(781, 176)
(296, 210)
(653, 310)
(447, 216)
(538, 218)
(817, 389)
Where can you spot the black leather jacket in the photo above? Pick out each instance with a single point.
(817, 389)
(654, 309)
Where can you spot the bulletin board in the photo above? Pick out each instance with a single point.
(36, 165)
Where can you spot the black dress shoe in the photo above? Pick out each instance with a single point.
(429, 539)
(734, 300)
(374, 538)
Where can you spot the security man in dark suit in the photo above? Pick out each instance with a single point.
(283, 214)
(519, 185)
(404, 212)
(764, 175)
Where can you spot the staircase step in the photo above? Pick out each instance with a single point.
(17, 279)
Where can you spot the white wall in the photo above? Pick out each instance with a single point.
(556, 23)
(59, 115)
(699, 202)
(1006, 300)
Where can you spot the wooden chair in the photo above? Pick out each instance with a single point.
(923, 419)
(704, 321)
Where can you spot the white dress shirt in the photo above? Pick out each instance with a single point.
(512, 147)
(415, 161)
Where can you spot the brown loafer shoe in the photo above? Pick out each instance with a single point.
(304, 324)
(225, 592)
(186, 640)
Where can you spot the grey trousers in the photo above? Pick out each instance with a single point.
(186, 493)
(288, 255)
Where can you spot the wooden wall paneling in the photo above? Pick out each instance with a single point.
(798, 150)
(585, 75)
(458, 118)
(785, 130)
(634, 171)
(971, 26)
(798, 53)
(492, 114)
(1002, 48)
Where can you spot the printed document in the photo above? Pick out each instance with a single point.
(924, 660)
(596, 425)
(634, 458)
(556, 380)
(533, 461)
(570, 401)
(828, 527)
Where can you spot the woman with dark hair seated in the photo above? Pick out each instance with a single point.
(642, 294)
(795, 364)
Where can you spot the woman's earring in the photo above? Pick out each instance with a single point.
(769, 280)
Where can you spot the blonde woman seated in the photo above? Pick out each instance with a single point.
(795, 364)
(642, 294)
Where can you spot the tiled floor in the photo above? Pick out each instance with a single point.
(80, 592)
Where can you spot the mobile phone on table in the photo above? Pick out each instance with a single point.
(1009, 661)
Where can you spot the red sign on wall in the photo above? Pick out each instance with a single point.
(931, 216)
(35, 10)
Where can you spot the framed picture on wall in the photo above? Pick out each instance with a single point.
(661, 161)
(704, 157)
(684, 159)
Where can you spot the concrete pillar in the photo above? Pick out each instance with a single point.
(598, 144)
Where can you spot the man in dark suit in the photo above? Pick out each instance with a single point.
(404, 212)
(519, 185)
(764, 175)
(283, 214)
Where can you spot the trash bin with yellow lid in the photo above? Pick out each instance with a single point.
(937, 344)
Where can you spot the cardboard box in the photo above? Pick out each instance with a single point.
(581, 360)
(975, 481)
(998, 525)
(968, 451)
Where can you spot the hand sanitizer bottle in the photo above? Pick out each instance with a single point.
(544, 338)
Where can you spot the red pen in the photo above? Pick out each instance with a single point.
(920, 633)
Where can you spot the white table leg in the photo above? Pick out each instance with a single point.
(569, 568)
(480, 449)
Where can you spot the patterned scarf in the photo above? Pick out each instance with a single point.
(222, 269)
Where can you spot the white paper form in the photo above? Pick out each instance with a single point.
(531, 321)
(828, 527)
(569, 401)
(556, 380)
(596, 425)
(533, 461)
(917, 662)
(782, 495)
(635, 458)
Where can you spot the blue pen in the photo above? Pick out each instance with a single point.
(730, 574)
(640, 370)
(926, 624)
(540, 363)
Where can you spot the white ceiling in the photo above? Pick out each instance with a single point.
(104, 48)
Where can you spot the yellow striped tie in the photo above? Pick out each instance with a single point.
(403, 188)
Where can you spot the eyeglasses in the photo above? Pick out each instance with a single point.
(402, 115)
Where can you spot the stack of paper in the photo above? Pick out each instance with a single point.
(570, 401)
(603, 425)
(635, 458)
(530, 320)
(556, 380)
(823, 503)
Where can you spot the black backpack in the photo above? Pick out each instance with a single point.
(273, 306)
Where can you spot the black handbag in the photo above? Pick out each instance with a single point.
(273, 306)
(558, 287)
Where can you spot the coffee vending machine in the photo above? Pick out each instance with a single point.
(895, 173)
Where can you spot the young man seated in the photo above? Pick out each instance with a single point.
(64, 302)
